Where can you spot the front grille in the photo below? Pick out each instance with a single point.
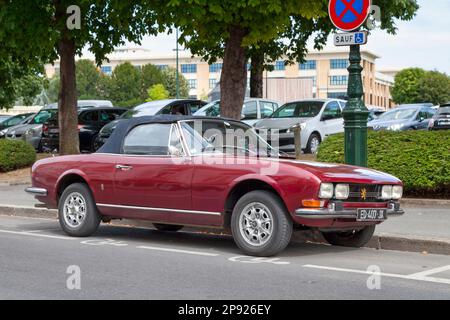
(365, 193)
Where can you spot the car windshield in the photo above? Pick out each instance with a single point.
(43, 115)
(306, 109)
(146, 109)
(398, 114)
(444, 110)
(221, 137)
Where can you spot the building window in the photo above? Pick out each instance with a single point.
(314, 79)
(339, 63)
(107, 69)
(336, 95)
(308, 65)
(189, 68)
(212, 83)
(215, 67)
(338, 80)
(162, 66)
(279, 66)
(192, 83)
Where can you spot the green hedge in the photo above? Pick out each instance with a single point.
(15, 155)
(421, 159)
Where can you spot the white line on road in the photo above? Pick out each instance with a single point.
(24, 233)
(390, 275)
(426, 273)
(179, 251)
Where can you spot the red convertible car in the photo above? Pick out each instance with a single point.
(166, 170)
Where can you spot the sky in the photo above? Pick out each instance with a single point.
(423, 42)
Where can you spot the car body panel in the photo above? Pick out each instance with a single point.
(418, 119)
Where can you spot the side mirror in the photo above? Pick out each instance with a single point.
(326, 117)
(174, 151)
(422, 119)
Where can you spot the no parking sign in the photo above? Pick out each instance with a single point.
(349, 15)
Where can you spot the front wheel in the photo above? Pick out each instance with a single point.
(313, 144)
(77, 212)
(354, 239)
(260, 224)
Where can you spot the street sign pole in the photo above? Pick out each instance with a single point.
(355, 113)
(349, 16)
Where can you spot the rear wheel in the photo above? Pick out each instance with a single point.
(167, 227)
(77, 212)
(260, 224)
(355, 238)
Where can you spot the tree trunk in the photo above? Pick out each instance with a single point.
(256, 75)
(67, 100)
(233, 80)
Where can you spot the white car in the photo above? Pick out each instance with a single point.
(317, 118)
(252, 111)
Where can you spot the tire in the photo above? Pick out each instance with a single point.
(167, 227)
(252, 210)
(311, 144)
(353, 239)
(93, 144)
(81, 226)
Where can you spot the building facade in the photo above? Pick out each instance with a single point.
(326, 70)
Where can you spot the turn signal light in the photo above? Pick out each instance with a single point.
(313, 203)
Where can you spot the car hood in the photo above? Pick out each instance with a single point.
(331, 172)
(279, 123)
(385, 124)
(22, 128)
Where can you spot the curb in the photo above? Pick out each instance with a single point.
(379, 241)
(426, 203)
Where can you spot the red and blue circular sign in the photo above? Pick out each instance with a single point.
(349, 15)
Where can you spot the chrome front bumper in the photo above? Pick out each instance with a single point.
(334, 212)
(37, 191)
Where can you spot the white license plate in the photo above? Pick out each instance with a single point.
(371, 215)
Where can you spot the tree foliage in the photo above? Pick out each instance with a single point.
(157, 92)
(170, 83)
(435, 87)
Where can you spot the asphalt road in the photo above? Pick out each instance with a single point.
(37, 261)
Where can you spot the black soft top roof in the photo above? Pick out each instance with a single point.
(114, 143)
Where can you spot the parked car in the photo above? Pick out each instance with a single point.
(90, 121)
(405, 117)
(441, 120)
(163, 170)
(253, 110)
(14, 120)
(375, 113)
(32, 131)
(4, 132)
(317, 118)
(172, 106)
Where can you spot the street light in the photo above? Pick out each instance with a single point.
(177, 49)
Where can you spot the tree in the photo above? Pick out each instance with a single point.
(434, 87)
(157, 92)
(407, 85)
(37, 32)
(150, 75)
(228, 29)
(87, 78)
(126, 85)
(170, 83)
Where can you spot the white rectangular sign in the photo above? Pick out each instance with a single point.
(350, 39)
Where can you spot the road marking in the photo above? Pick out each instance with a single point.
(199, 253)
(426, 273)
(105, 242)
(390, 275)
(24, 233)
(247, 259)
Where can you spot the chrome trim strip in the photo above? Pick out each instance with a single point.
(37, 191)
(159, 209)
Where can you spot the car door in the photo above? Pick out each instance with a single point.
(250, 112)
(331, 121)
(88, 123)
(148, 182)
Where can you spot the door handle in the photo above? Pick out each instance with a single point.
(123, 167)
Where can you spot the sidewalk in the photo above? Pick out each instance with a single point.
(423, 224)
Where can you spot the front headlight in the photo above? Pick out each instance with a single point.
(326, 191)
(342, 191)
(302, 126)
(386, 192)
(3, 132)
(397, 192)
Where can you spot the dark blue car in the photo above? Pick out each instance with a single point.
(405, 117)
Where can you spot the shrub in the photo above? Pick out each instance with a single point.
(421, 159)
(15, 155)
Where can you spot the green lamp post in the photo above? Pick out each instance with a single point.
(355, 113)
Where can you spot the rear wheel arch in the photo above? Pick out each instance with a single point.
(242, 188)
(68, 180)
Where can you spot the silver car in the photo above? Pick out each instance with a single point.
(317, 118)
(253, 109)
